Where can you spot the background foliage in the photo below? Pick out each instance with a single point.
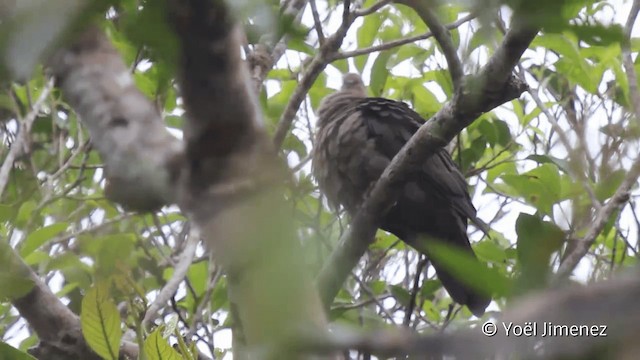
(538, 167)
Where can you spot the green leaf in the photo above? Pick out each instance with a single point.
(490, 251)
(100, 321)
(7, 212)
(426, 104)
(112, 250)
(466, 268)
(429, 287)
(537, 241)
(9, 352)
(408, 51)
(15, 276)
(607, 186)
(401, 294)
(366, 35)
(431, 311)
(41, 236)
(157, 348)
(25, 213)
(598, 34)
(548, 159)
(541, 187)
(379, 73)
(174, 121)
(219, 296)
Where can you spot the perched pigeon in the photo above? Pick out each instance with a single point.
(356, 138)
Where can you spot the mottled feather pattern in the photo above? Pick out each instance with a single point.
(356, 139)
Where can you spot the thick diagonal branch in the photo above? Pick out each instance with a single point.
(125, 127)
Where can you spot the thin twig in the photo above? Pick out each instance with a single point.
(373, 8)
(414, 291)
(399, 42)
(179, 273)
(18, 146)
(316, 21)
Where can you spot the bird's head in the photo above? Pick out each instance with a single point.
(353, 83)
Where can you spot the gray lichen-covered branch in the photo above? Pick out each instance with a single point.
(125, 127)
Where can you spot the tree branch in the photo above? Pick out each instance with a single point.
(492, 86)
(126, 128)
(266, 54)
(373, 8)
(22, 139)
(317, 24)
(179, 273)
(399, 42)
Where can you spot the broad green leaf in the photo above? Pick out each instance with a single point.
(174, 121)
(114, 250)
(197, 275)
(390, 33)
(148, 26)
(10, 353)
(405, 52)
(37, 257)
(157, 348)
(219, 296)
(429, 287)
(431, 311)
(15, 276)
(100, 321)
(41, 236)
(426, 104)
(7, 212)
(537, 241)
(606, 187)
(25, 213)
(379, 73)
(490, 251)
(279, 101)
(341, 65)
(598, 34)
(540, 187)
(466, 268)
(401, 294)
(366, 35)
(562, 164)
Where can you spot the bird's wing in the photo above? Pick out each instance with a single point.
(392, 124)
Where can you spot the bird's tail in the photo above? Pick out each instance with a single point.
(459, 289)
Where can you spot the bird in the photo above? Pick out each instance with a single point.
(356, 138)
